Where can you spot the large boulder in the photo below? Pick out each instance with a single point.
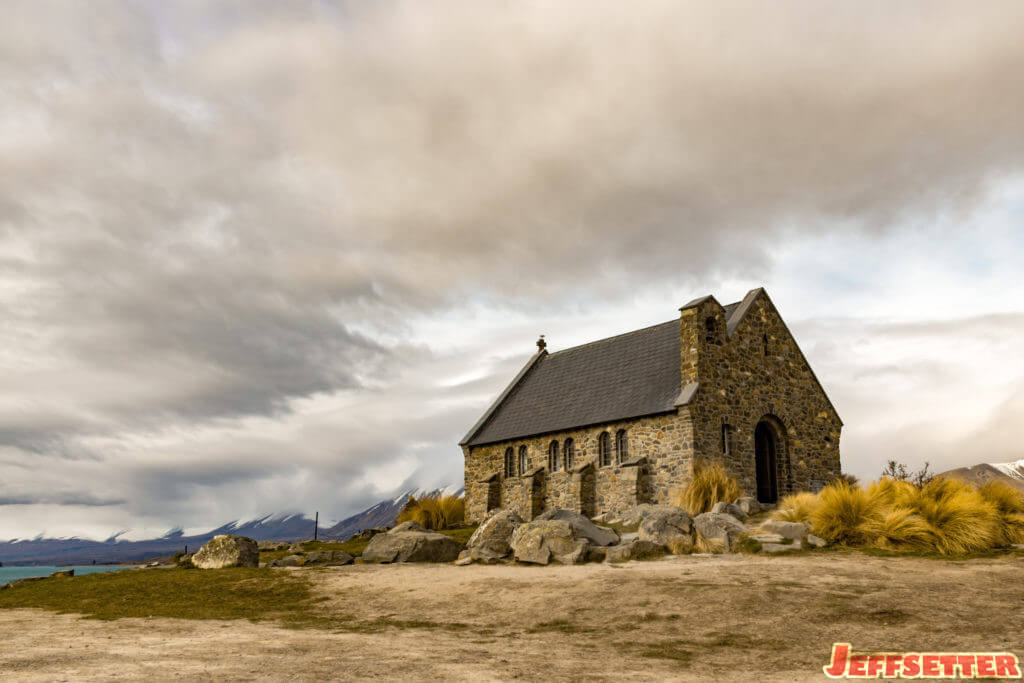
(795, 531)
(729, 509)
(634, 550)
(717, 531)
(668, 526)
(583, 527)
(289, 561)
(544, 540)
(407, 526)
(227, 550)
(491, 539)
(634, 516)
(411, 546)
(333, 558)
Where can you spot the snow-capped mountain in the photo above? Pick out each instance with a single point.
(1011, 473)
(276, 527)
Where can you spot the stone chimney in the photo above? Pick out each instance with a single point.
(702, 333)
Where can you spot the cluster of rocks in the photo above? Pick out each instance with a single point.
(570, 538)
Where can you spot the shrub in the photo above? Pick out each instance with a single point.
(709, 484)
(797, 507)
(844, 514)
(434, 512)
(899, 529)
(959, 518)
(1009, 505)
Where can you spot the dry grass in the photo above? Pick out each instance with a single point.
(709, 484)
(797, 507)
(434, 512)
(943, 516)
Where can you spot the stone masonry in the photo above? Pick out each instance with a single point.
(739, 367)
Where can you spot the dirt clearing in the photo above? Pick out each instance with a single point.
(719, 617)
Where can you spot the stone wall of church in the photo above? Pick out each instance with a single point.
(759, 373)
(664, 442)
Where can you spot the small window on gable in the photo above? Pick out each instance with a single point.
(767, 351)
(510, 463)
(621, 447)
(524, 464)
(604, 450)
(568, 453)
(726, 438)
(553, 456)
(711, 330)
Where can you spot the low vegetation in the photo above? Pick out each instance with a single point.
(937, 515)
(709, 484)
(253, 594)
(434, 512)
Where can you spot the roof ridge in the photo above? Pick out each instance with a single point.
(614, 336)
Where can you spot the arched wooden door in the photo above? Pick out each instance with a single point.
(765, 451)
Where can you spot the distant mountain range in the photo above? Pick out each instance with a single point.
(1011, 473)
(278, 527)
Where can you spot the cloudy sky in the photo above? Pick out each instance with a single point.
(259, 256)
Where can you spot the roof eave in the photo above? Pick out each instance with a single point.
(501, 397)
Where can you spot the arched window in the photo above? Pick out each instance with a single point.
(524, 464)
(711, 330)
(568, 453)
(621, 446)
(553, 456)
(510, 463)
(604, 450)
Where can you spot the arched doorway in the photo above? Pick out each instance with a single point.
(765, 465)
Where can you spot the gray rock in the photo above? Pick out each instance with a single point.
(332, 558)
(817, 542)
(635, 550)
(289, 561)
(729, 509)
(463, 559)
(792, 530)
(600, 519)
(411, 546)
(544, 540)
(667, 526)
(493, 536)
(768, 538)
(778, 547)
(748, 504)
(717, 530)
(597, 553)
(635, 516)
(407, 526)
(65, 573)
(227, 550)
(583, 527)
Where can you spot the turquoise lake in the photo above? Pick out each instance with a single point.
(11, 573)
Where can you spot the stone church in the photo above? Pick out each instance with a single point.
(607, 425)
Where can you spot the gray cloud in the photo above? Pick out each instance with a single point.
(214, 216)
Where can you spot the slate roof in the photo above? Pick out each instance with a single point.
(618, 378)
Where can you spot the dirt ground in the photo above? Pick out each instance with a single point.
(685, 618)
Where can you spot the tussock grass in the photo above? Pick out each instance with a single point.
(434, 512)
(709, 484)
(943, 516)
(797, 507)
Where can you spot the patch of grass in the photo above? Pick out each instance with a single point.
(557, 625)
(747, 545)
(675, 650)
(253, 594)
(797, 507)
(709, 484)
